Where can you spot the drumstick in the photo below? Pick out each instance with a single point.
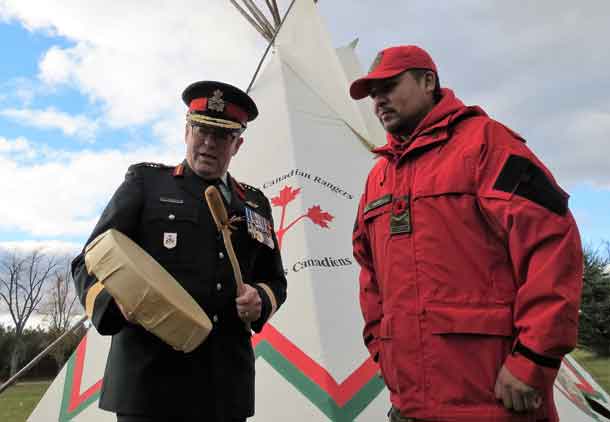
(221, 218)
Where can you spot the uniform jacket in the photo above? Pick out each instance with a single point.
(144, 375)
(470, 259)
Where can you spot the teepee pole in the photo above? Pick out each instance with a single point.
(274, 12)
(260, 63)
(252, 22)
(258, 15)
(42, 354)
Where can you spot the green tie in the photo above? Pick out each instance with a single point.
(224, 189)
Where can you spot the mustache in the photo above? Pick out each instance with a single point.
(382, 110)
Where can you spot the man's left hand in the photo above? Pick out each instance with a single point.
(515, 394)
(249, 304)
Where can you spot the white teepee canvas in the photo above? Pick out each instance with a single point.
(307, 152)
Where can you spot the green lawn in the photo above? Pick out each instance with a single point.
(18, 401)
(599, 368)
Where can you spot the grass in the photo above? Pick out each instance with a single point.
(599, 368)
(18, 401)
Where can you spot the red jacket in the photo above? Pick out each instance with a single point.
(469, 260)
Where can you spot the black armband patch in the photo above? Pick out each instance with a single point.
(522, 177)
(536, 358)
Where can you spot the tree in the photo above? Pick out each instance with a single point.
(60, 307)
(594, 321)
(22, 278)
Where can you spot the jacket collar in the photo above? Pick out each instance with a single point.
(188, 181)
(433, 129)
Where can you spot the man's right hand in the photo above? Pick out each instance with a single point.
(128, 317)
(515, 394)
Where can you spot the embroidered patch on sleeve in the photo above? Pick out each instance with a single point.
(385, 199)
(524, 178)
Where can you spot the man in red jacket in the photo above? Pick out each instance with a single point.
(471, 263)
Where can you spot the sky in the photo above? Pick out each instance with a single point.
(87, 89)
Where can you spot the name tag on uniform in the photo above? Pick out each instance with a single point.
(259, 227)
(170, 240)
(171, 200)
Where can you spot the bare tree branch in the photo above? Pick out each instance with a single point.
(23, 276)
(60, 305)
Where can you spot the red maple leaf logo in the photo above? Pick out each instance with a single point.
(319, 217)
(315, 213)
(287, 194)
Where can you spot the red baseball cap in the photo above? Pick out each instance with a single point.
(391, 62)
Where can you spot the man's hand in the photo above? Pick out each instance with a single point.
(515, 394)
(249, 304)
(128, 317)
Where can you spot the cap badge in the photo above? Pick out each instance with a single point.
(216, 103)
(376, 61)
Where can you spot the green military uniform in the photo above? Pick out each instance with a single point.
(215, 382)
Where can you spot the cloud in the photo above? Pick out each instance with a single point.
(54, 247)
(18, 89)
(19, 146)
(63, 196)
(525, 63)
(539, 67)
(79, 125)
(56, 66)
(135, 58)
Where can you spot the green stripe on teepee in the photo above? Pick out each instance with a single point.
(283, 366)
(64, 415)
(314, 393)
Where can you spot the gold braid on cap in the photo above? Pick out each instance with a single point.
(212, 121)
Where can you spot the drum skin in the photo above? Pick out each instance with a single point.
(146, 291)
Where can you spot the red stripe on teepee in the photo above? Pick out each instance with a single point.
(75, 397)
(583, 384)
(341, 393)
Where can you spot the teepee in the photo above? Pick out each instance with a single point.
(309, 152)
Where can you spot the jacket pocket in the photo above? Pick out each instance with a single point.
(169, 233)
(377, 223)
(466, 347)
(386, 364)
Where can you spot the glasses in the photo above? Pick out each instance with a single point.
(204, 131)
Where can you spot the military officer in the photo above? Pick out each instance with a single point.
(162, 208)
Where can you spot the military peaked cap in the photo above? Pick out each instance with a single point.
(218, 104)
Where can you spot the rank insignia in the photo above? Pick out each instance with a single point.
(216, 103)
(400, 222)
(259, 227)
(170, 240)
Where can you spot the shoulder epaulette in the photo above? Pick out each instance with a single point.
(512, 132)
(250, 187)
(152, 165)
(243, 188)
(178, 170)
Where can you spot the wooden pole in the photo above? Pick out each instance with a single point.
(252, 21)
(258, 15)
(274, 12)
(42, 354)
(260, 63)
